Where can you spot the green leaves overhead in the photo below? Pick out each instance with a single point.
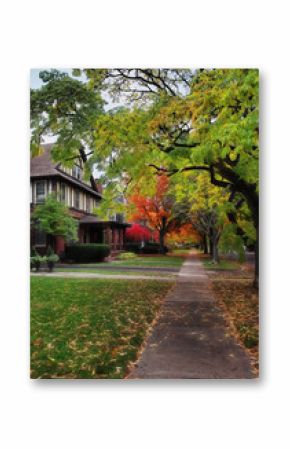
(65, 108)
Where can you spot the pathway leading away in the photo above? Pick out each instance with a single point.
(190, 339)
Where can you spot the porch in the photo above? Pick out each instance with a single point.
(111, 233)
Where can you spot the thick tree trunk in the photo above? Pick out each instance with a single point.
(205, 246)
(249, 191)
(215, 252)
(162, 233)
(210, 238)
(161, 241)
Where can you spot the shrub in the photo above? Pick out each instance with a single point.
(51, 258)
(126, 256)
(132, 246)
(152, 248)
(35, 259)
(87, 252)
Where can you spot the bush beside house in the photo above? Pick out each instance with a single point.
(87, 252)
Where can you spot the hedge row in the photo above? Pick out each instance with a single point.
(148, 248)
(87, 252)
(152, 248)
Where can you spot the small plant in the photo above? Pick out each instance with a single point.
(35, 260)
(51, 258)
(127, 256)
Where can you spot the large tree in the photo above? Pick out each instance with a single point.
(212, 127)
(157, 211)
(66, 109)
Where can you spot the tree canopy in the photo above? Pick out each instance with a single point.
(167, 122)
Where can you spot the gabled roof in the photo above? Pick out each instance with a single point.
(43, 166)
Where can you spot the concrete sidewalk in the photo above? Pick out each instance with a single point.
(190, 339)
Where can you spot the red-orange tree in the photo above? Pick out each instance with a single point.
(184, 234)
(157, 211)
(137, 233)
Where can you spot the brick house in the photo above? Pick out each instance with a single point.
(79, 195)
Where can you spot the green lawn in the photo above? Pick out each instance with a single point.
(223, 265)
(150, 261)
(89, 328)
(181, 252)
(109, 272)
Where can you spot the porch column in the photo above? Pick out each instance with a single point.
(59, 244)
(121, 238)
(114, 238)
(107, 235)
(81, 233)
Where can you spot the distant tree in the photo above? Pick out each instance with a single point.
(53, 218)
(156, 210)
(137, 233)
(183, 234)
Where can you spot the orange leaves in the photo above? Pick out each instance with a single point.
(153, 210)
(184, 234)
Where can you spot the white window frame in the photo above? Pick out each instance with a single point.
(44, 191)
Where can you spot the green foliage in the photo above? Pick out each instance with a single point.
(222, 265)
(230, 241)
(34, 252)
(127, 256)
(53, 218)
(87, 252)
(51, 257)
(49, 251)
(171, 121)
(65, 108)
(35, 259)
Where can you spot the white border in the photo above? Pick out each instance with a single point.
(201, 414)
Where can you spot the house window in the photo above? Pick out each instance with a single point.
(76, 172)
(77, 199)
(119, 217)
(40, 238)
(40, 191)
(62, 193)
(53, 186)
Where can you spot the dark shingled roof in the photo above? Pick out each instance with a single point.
(42, 166)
